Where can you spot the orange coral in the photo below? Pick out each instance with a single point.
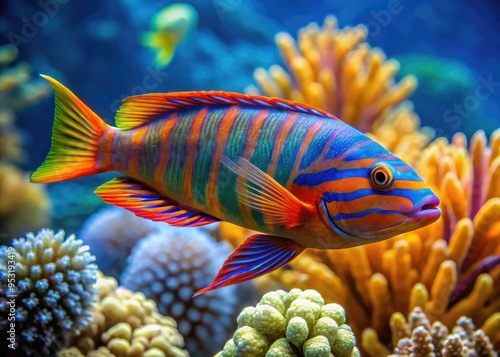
(334, 69)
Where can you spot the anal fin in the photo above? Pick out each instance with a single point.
(145, 202)
(258, 255)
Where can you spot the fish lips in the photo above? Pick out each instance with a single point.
(426, 211)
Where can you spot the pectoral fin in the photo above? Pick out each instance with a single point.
(259, 254)
(145, 202)
(264, 194)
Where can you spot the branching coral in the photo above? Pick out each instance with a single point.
(334, 69)
(52, 293)
(23, 206)
(125, 324)
(169, 266)
(297, 323)
(418, 337)
(111, 233)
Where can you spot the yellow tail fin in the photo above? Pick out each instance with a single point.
(75, 139)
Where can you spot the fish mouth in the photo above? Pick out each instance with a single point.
(426, 211)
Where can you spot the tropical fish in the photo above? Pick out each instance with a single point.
(296, 173)
(169, 27)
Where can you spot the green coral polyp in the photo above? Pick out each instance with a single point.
(294, 324)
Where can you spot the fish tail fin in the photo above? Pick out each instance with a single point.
(75, 139)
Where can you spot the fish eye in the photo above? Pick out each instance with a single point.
(381, 177)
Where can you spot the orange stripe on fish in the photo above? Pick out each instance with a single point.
(279, 142)
(223, 131)
(192, 151)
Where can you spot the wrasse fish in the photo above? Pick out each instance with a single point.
(294, 172)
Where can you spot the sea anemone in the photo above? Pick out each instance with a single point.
(297, 323)
(53, 289)
(112, 233)
(169, 266)
(125, 324)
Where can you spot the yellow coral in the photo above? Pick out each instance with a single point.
(23, 206)
(126, 324)
(334, 69)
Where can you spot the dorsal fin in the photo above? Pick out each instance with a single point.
(140, 109)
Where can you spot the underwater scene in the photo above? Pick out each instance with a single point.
(249, 178)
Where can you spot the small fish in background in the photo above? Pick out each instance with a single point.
(294, 172)
(169, 27)
(438, 75)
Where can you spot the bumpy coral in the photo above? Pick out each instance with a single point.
(334, 69)
(51, 290)
(418, 337)
(297, 323)
(169, 266)
(23, 206)
(125, 324)
(111, 233)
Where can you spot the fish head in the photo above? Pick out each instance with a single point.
(378, 201)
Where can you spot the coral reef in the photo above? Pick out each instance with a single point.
(169, 266)
(23, 206)
(297, 323)
(54, 289)
(449, 269)
(418, 337)
(111, 233)
(335, 70)
(125, 324)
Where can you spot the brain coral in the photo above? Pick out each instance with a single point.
(169, 266)
(54, 289)
(291, 324)
(125, 324)
(111, 234)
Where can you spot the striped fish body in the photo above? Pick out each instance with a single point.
(296, 173)
(181, 156)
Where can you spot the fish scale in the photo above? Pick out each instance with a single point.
(298, 174)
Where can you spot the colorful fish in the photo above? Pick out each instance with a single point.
(294, 172)
(169, 27)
